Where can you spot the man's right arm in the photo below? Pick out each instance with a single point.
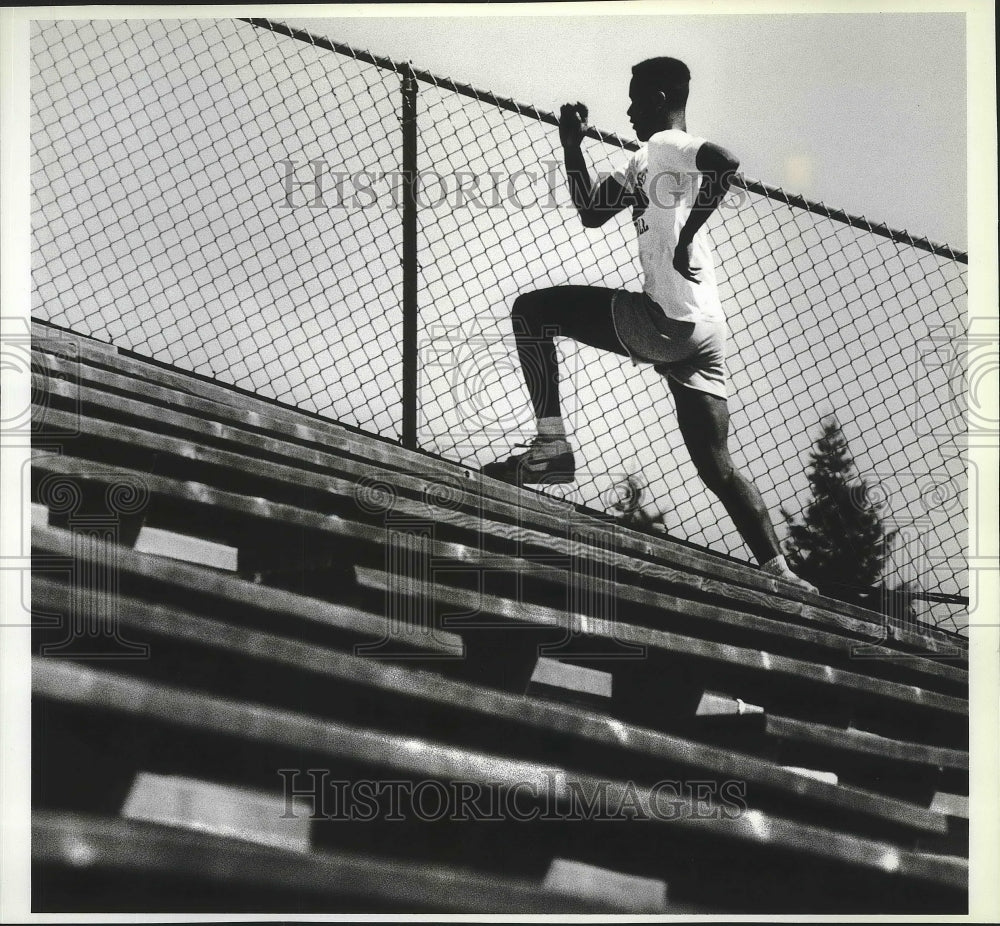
(595, 204)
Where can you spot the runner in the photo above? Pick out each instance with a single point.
(674, 182)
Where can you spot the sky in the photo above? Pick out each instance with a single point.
(864, 111)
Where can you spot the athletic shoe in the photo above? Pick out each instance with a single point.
(548, 460)
(781, 571)
(799, 582)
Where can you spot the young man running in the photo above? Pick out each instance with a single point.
(674, 182)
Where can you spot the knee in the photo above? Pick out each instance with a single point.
(526, 307)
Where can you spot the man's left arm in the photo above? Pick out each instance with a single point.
(717, 167)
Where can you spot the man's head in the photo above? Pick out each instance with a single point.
(659, 92)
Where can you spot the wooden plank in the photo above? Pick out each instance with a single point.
(818, 774)
(332, 622)
(601, 742)
(238, 813)
(105, 356)
(783, 670)
(104, 691)
(371, 450)
(46, 338)
(582, 880)
(751, 663)
(714, 705)
(579, 680)
(875, 762)
(952, 805)
(670, 608)
(865, 743)
(315, 881)
(189, 549)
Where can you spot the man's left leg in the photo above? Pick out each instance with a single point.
(704, 424)
(583, 313)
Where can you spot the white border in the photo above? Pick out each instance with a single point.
(984, 634)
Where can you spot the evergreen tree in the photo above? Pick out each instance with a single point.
(839, 544)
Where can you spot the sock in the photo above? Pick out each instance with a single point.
(780, 568)
(550, 428)
(552, 439)
(776, 566)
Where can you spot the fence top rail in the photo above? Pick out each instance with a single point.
(406, 69)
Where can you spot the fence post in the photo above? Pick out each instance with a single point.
(409, 166)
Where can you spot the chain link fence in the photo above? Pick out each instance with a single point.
(228, 196)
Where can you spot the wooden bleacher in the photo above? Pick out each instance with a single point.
(256, 593)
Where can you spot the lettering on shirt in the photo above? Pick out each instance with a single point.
(641, 203)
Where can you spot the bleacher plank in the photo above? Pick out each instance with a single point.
(215, 503)
(64, 683)
(145, 862)
(264, 817)
(863, 742)
(332, 623)
(768, 679)
(266, 418)
(192, 461)
(238, 659)
(592, 881)
(908, 769)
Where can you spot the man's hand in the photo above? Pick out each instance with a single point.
(682, 261)
(572, 124)
(598, 205)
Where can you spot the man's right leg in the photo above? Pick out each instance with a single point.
(582, 313)
(704, 424)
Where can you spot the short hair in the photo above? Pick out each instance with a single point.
(667, 75)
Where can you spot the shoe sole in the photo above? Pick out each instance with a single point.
(563, 472)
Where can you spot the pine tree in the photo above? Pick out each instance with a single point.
(840, 544)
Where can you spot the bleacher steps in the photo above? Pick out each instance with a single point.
(206, 654)
(218, 738)
(285, 596)
(227, 411)
(86, 863)
(643, 605)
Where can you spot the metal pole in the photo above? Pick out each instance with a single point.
(409, 165)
